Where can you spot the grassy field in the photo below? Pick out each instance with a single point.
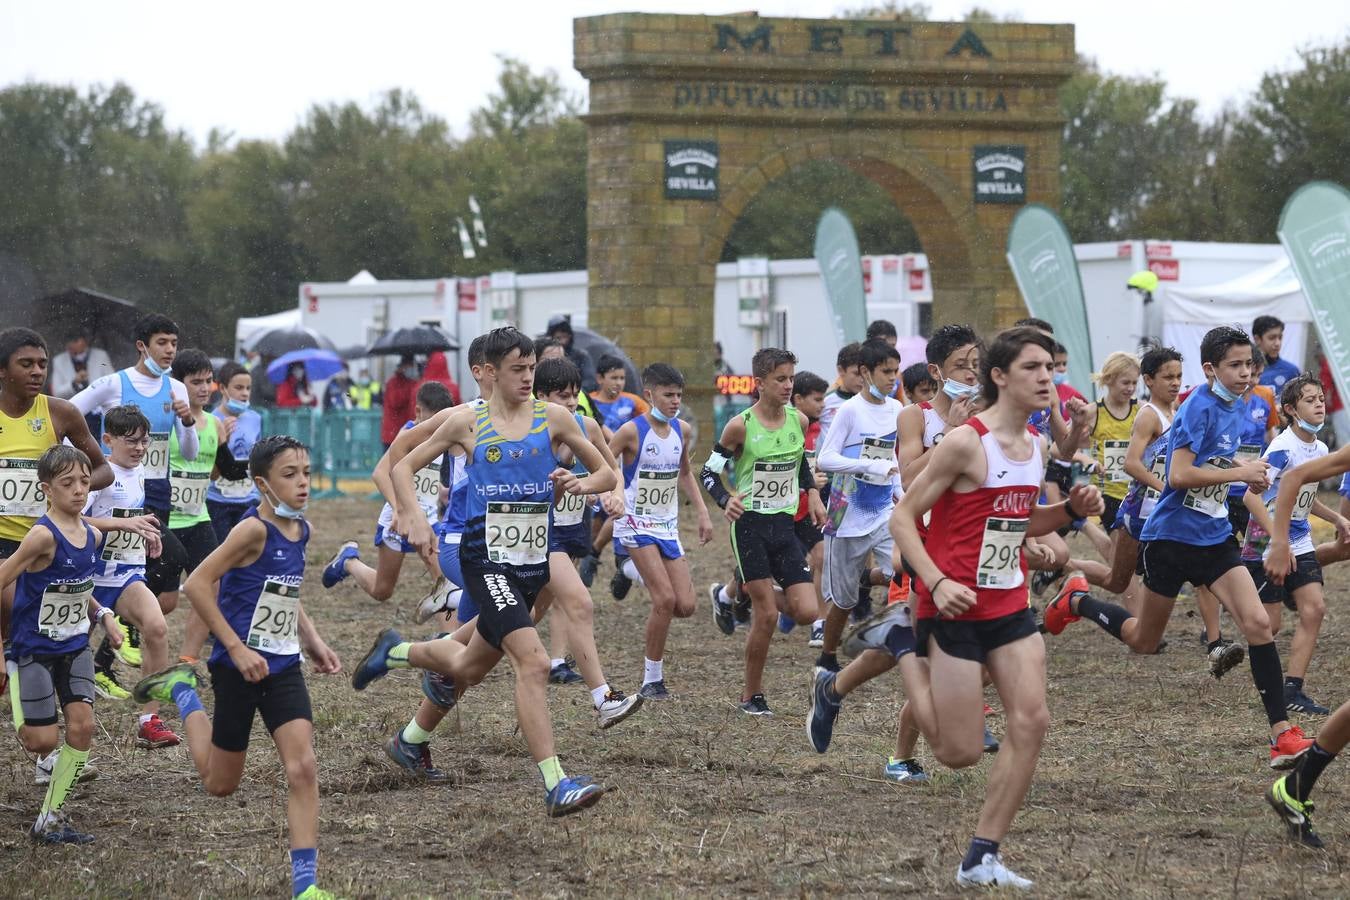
(1150, 783)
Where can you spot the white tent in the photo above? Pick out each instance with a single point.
(247, 330)
(1271, 290)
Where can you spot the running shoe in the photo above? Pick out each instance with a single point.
(740, 609)
(416, 758)
(587, 569)
(817, 637)
(375, 664)
(572, 795)
(56, 829)
(107, 686)
(46, 765)
(1225, 656)
(130, 650)
(159, 686)
(1059, 614)
(1288, 747)
(874, 633)
(827, 662)
(756, 706)
(1297, 701)
(786, 623)
(1041, 581)
(439, 689)
(314, 892)
(991, 872)
(154, 733)
(990, 742)
(904, 771)
(620, 584)
(862, 610)
(722, 614)
(617, 706)
(654, 690)
(1296, 816)
(336, 570)
(436, 601)
(563, 673)
(824, 710)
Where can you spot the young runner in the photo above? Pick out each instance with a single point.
(47, 656)
(190, 479)
(612, 403)
(981, 486)
(655, 472)
(1188, 537)
(232, 492)
(511, 444)
(1112, 424)
(847, 383)
(1268, 335)
(767, 445)
(249, 594)
(919, 384)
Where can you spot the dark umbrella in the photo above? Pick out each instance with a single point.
(110, 321)
(421, 340)
(319, 364)
(597, 345)
(284, 340)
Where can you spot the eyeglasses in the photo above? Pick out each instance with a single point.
(134, 442)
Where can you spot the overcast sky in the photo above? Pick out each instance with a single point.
(253, 68)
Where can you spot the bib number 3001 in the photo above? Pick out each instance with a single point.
(64, 613)
(1001, 554)
(517, 533)
(275, 627)
(157, 456)
(772, 485)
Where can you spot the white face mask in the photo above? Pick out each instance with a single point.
(958, 389)
(285, 510)
(1310, 428)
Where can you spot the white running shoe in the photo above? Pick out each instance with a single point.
(436, 600)
(46, 765)
(991, 872)
(616, 707)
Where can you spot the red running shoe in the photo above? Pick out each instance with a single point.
(1059, 615)
(154, 733)
(1288, 747)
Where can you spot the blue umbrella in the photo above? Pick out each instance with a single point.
(319, 364)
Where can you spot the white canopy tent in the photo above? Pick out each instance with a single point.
(248, 330)
(1271, 290)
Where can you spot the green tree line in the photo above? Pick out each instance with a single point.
(101, 191)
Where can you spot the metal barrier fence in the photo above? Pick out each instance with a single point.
(344, 444)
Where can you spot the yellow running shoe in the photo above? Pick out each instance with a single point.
(106, 686)
(130, 651)
(314, 892)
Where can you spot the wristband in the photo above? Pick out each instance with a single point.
(932, 592)
(105, 611)
(1073, 513)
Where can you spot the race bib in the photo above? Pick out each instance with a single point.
(157, 456)
(810, 460)
(1113, 461)
(275, 627)
(569, 510)
(874, 449)
(65, 610)
(1159, 470)
(1247, 453)
(20, 494)
(236, 489)
(1001, 553)
(1307, 496)
(187, 492)
(1211, 500)
(427, 484)
(772, 485)
(124, 547)
(517, 533)
(656, 491)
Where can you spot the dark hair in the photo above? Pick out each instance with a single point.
(1151, 363)
(849, 355)
(916, 375)
(501, 341)
(125, 421)
(805, 383)
(1258, 358)
(77, 332)
(1060, 349)
(556, 374)
(153, 324)
(1262, 324)
(1218, 341)
(607, 363)
(433, 396)
(880, 328)
(1293, 389)
(11, 339)
(946, 340)
(58, 459)
(1007, 347)
(662, 375)
(875, 352)
(475, 356)
(1033, 322)
(266, 451)
(228, 371)
(766, 360)
(191, 362)
(544, 343)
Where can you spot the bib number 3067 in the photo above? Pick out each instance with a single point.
(517, 533)
(656, 494)
(275, 627)
(1001, 554)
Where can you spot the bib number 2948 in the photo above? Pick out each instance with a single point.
(517, 533)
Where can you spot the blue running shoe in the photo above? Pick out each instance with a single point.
(904, 771)
(587, 568)
(824, 710)
(572, 795)
(416, 758)
(563, 673)
(336, 570)
(786, 623)
(990, 742)
(439, 689)
(375, 664)
(654, 690)
(58, 830)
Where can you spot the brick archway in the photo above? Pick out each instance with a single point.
(690, 117)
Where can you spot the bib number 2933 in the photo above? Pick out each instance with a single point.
(517, 533)
(1001, 554)
(275, 628)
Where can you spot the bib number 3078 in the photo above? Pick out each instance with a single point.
(275, 627)
(517, 533)
(1001, 554)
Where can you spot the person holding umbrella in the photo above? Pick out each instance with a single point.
(560, 330)
(294, 391)
(400, 398)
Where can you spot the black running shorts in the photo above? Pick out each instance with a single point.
(766, 546)
(1238, 517)
(1306, 572)
(280, 698)
(973, 639)
(1170, 564)
(808, 534)
(504, 599)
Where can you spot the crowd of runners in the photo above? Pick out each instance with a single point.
(961, 487)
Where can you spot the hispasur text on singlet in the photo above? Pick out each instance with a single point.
(975, 538)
